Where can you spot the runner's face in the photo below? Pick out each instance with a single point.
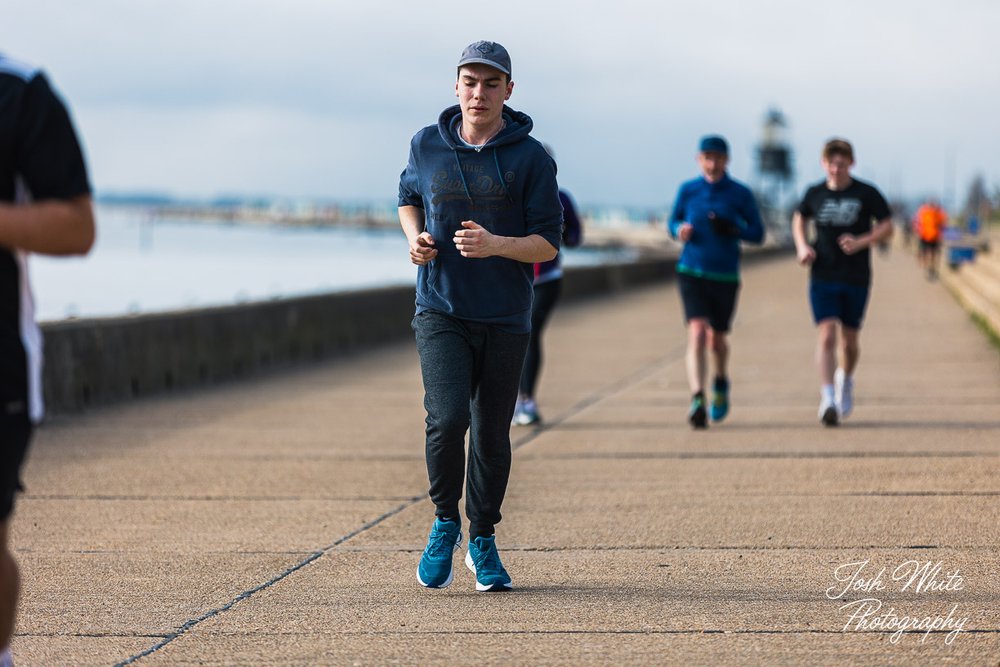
(713, 165)
(838, 170)
(481, 92)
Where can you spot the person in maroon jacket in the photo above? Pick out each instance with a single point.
(547, 288)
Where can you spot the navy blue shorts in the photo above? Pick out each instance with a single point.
(839, 301)
(713, 300)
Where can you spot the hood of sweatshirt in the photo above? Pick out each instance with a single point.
(518, 127)
(509, 188)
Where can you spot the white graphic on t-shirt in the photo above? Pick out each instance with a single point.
(838, 212)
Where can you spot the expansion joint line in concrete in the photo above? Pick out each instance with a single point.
(601, 394)
(672, 355)
(186, 627)
(604, 393)
(653, 632)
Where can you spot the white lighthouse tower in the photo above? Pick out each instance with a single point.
(775, 182)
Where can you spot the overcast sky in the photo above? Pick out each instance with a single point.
(319, 98)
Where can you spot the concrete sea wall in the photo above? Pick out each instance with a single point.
(93, 362)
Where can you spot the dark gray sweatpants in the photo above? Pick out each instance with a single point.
(471, 372)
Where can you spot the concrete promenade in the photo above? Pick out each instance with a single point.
(280, 522)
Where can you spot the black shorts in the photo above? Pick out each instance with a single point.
(15, 433)
(929, 245)
(714, 300)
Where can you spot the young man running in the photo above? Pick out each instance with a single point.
(842, 209)
(711, 215)
(479, 204)
(44, 208)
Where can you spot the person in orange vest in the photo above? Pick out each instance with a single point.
(849, 217)
(930, 222)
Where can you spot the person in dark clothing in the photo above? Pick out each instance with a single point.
(547, 287)
(479, 204)
(45, 208)
(843, 209)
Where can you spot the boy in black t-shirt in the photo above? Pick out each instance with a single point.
(842, 209)
(44, 208)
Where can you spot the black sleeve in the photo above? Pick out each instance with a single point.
(805, 207)
(878, 205)
(48, 154)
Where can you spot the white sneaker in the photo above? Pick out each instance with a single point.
(518, 408)
(526, 413)
(828, 413)
(844, 395)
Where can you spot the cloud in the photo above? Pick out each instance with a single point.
(308, 96)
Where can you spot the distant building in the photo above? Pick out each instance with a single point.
(775, 177)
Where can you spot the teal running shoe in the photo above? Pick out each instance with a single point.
(484, 561)
(435, 570)
(697, 416)
(720, 399)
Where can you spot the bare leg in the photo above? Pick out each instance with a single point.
(720, 352)
(696, 352)
(850, 350)
(10, 586)
(826, 350)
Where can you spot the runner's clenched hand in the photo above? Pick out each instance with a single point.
(422, 249)
(474, 240)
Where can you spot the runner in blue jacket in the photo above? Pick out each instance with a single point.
(479, 205)
(711, 215)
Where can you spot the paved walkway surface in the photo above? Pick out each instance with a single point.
(280, 522)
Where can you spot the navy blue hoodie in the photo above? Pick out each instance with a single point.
(509, 187)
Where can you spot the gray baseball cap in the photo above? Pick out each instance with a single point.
(487, 53)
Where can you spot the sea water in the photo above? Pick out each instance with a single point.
(142, 264)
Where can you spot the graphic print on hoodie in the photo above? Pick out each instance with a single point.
(509, 187)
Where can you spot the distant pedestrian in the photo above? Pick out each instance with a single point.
(843, 209)
(479, 204)
(930, 222)
(45, 208)
(905, 226)
(711, 215)
(547, 288)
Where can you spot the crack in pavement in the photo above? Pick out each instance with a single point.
(636, 376)
(627, 456)
(267, 584)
